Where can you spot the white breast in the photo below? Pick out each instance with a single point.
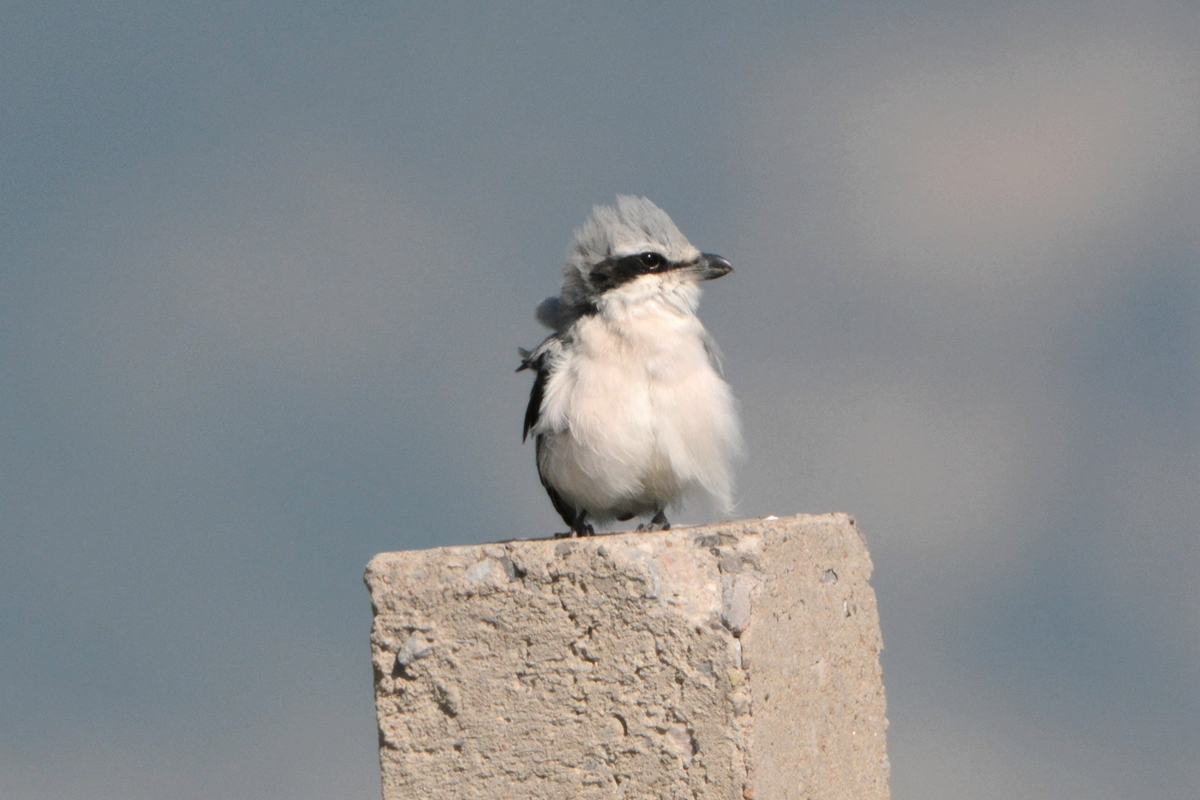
(635, 417)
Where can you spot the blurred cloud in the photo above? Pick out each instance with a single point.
(969, 748)
(308, 265)
(310, 750)
(989, 168)
(959, 189)
(938, 468)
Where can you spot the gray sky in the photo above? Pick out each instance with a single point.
(264, 271)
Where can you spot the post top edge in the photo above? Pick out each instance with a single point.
(748, 525)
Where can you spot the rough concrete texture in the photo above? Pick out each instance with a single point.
(737, 660)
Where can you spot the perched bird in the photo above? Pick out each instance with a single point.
(629, 411)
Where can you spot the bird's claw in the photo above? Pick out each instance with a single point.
(577, 530)
(658, 523)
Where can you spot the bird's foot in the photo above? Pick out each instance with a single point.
(658, 523)
(577, 530)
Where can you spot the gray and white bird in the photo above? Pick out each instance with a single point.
(629, 411)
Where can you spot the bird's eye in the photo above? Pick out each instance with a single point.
(651, 260)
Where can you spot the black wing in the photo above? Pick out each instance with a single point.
(540, 359)
(568, 512)
(533, 411)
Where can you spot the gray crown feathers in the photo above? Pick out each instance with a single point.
(632, 224)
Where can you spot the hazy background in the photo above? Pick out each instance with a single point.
(264, 271)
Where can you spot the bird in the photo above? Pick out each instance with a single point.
(630, 412)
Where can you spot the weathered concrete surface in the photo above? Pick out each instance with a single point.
(737, 660)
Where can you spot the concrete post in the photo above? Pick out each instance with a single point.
(735, 661)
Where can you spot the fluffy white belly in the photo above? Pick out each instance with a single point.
(635, 418)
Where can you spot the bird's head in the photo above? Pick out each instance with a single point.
(632, 252)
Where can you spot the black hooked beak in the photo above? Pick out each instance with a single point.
(711, 266)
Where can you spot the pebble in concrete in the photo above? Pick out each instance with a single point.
(738, 660)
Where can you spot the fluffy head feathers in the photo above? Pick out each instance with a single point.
(634, 225)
